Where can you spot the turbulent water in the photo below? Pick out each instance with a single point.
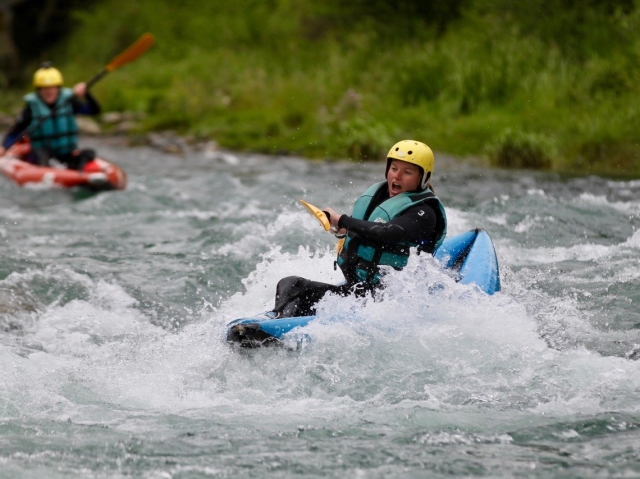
(113, 310)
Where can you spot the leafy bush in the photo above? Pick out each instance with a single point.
(518, 149)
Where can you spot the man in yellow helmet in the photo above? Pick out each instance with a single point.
(388, 219)
(48, 117)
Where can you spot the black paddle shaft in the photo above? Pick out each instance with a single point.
(97, 78)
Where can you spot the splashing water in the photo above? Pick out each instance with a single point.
(114, 309)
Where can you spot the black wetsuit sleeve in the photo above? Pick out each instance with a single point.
(416, 225)
(22, 123)
(88, 106)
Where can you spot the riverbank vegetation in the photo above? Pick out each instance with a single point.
(538, 84)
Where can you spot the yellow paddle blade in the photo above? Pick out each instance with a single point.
(134, 51)
(319, 214)
(340, 245)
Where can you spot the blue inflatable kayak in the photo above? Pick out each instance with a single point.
(471, 255)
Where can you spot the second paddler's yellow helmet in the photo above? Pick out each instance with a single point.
(46, 76)
(414, 152)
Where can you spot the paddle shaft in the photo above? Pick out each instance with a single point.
(97, 78)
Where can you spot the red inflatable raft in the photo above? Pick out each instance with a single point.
(97, 175)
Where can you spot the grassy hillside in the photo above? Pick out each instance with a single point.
(542, 84)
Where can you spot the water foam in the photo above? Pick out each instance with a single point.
(433, 361)
(428, 340)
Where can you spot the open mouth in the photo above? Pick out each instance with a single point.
(396, 188)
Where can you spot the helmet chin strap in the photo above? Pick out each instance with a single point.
(386, 172)
(425, 180)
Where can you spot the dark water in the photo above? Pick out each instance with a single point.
(113, 306)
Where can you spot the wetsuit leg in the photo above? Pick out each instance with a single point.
(296, 296)
(39, 156)
(77, 159)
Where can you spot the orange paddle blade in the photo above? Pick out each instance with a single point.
(134, 51)
(319, 214)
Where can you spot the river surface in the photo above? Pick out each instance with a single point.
(113, 309)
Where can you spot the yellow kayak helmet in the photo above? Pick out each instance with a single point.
(47, 76)
(414, 152)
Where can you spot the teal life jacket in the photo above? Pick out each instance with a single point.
(359, 259)
(57, 131)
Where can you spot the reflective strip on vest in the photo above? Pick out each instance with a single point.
(359, 261)
(57, 132)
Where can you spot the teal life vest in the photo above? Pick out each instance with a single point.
(57, 131)
(359, 259)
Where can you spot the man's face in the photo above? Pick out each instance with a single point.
(49, 94)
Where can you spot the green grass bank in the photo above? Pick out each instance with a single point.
(543, 84)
